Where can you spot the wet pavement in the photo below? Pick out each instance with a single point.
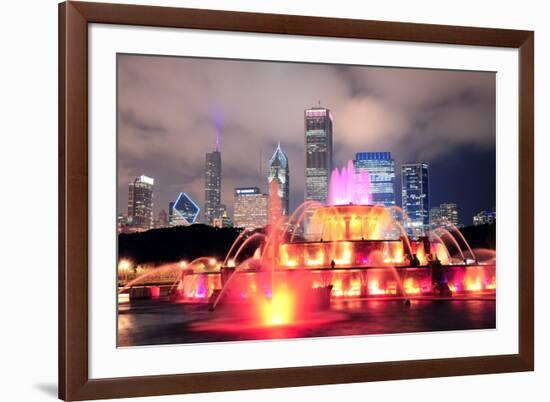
(156, 322)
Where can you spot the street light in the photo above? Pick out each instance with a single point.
(124, 266)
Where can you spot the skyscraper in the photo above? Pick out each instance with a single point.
(381, 169)
(415, 196)
(212, 185)
(250, 208)
(445, 214)
(279, 173)
(318, 139)
(140, 203)
(185, 211)
(448, 214)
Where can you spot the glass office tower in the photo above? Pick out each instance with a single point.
(415, 197)
(140, 203)
(318, 141)
(381, 169)
(185, 211)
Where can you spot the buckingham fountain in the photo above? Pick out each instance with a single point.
(348, 249)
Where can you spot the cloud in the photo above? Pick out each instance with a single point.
(170, 108)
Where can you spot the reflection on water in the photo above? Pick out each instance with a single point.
(152, 322)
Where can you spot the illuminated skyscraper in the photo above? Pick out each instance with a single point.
(445, 214)
(140, 203)
(279, 173)
(212, 186)
(185, 211)
(318, 139)
(381, 169)
(448, 214)
(415, 196)
(250, 208)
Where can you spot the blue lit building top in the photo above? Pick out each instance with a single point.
(369, 156)
(185, 210)
(279, 158)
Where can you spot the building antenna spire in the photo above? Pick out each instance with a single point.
(218, 140)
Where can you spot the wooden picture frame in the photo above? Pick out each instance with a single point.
(74, 381)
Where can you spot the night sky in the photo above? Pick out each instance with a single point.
(170, 110)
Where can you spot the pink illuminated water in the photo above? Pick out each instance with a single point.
(349, 187)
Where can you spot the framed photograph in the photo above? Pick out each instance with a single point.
(259, 200)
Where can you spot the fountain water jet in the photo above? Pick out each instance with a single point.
(237, 268)
(459, 234)
(349, 187)
(151, 272)
(442, 232)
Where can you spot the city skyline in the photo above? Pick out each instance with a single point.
(244, 168)
(378, 165)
